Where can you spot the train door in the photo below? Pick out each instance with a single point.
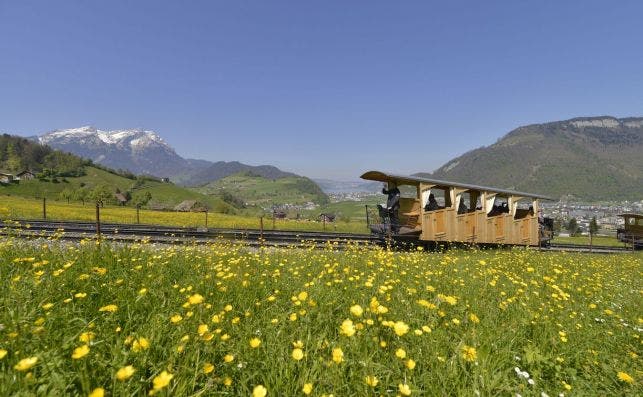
(498, 211)
(523, 219)
(437, 205)
(466, 203)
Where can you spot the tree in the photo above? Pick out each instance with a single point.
(67, 194)
(593, 226)
(81, 195)
(101, 194)
(572, 227)
(141, 199)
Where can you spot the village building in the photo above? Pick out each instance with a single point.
(6, 177)
(190, 205)
(120, 198)
(25, 175)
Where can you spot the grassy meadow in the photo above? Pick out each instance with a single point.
(99, 319)
(12, 207)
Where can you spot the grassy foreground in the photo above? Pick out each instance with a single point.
(12, 207)
(226, 319)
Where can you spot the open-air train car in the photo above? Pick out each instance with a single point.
(463, 213)
(632, 231)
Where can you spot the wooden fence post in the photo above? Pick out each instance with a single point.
(367, 220)
(44, 208)
(98, 219)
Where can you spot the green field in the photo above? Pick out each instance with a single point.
(263, 192)
(231, 320)
(12, 207)
(584, 240)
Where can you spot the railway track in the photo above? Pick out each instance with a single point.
(177, 235)
(180, 235)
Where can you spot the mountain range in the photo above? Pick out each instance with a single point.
(589, 158)
(145, 152)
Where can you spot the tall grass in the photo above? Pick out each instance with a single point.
(227, 319)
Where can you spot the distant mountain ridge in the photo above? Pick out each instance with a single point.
(592, 158)
(145, 152)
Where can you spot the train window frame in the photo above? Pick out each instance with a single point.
(471, 204)
(522, 208)
(503, 199)
(444, 197)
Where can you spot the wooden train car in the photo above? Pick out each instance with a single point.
(433, 211)
(632, 230)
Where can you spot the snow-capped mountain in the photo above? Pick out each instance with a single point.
(145, 152)
(139, 151)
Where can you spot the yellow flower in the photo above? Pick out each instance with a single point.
(26, 363)
(404, 389)
(625, 377)
(202, 329)
(400, 328)
(347, 328)
(125, 372)
(227, 381)
(87, 337)
(3, 353)
(307, 389)
(80, 295)
(356, 310)
(97, 392)
(259, 391)
(372, 381)
(228, 358)
(255, 342)
(469, 353)
(207, 368)
(162, 380)
(400, 353)
(410, 364)
(297, 354)
(140, 344)
(176, 318)
(303, 295)
(338, 355)
(108, 308)
(195, 299)
(451, 300)
(47, 306)
(473, 318)
(80, 352)
(298, 344)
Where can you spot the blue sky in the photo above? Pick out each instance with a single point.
(324, 89)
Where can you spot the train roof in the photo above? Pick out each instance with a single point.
(385, 177)
(631, 215)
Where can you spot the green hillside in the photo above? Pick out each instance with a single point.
(588, 158)
(67, 177)
(253, 190)
(163, 195)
